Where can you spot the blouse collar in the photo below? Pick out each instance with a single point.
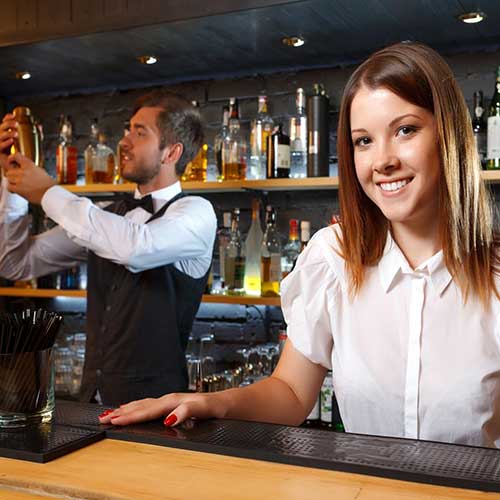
(393, 264)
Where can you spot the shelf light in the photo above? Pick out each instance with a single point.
(293, 41)
(472, 17)
(23, 75)
(148, 60)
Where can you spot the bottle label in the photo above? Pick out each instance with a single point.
(275, 268)
(313, 142)
(239, 272)
(326, 399)
(283, 156)
(493, 137)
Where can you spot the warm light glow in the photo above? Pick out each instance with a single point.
(293, 41)
(472, 17)
(23, 75)
(148, 59)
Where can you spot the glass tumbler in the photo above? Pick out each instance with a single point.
(26, 389)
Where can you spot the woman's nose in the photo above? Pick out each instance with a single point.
(385, 159)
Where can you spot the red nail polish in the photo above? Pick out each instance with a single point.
(105, 413)
(170, 420)
(116, 416)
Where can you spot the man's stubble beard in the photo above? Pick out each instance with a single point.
(142, 174)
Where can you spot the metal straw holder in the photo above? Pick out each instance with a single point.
(26, 388)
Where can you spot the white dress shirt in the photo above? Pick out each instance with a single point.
(409, 358)
(183, 236)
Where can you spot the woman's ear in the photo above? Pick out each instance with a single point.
(172, 153)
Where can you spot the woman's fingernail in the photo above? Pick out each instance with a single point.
(170, 420)
(116, 416)
(105, 413)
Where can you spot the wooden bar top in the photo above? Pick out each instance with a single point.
(119, 470)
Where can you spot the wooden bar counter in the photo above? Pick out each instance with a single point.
(111, 469)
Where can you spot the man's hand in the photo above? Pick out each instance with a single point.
(8, 133)
(26, 179)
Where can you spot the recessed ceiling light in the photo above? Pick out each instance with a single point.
(23, 75)
(472, 17)
(293, 41)
(148, 59)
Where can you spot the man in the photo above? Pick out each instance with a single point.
(148, 256)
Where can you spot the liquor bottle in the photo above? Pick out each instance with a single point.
(104, 162)
(305, 233)
(493, 161)
(278, 154)
(338, 425)
(261, 129)
(326, 401)
(118, 178)
(479, 127)
(270, 257)
(196, 169)
(66, 154)
(234, 147)
(90, 152)
(317, 133)
(234, 267)
(253, 244)
(224, 236)
(219, 139)
(292, 248)
(298, 138)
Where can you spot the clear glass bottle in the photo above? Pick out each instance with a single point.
(298, 138)
(270, 257)
(493, 161)
(224, 236)
(234, 267)
(234, 147)
(278, 154)
(261, 129)
(479, 127)
(90, 152)
(292, 248)
(305, 233)
(104, 164)
(219, 139)
(253, 244)
(66, 154)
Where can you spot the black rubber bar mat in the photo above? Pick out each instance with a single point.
(403, 459)
(45, 442)
(82, 415)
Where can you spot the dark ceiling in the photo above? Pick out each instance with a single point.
(338, 32)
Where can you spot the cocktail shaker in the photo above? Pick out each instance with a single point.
(29, 137)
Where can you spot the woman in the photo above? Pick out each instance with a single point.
(400, 299)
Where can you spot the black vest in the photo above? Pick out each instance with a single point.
(137, 327)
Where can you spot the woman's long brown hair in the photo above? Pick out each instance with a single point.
(419, 75)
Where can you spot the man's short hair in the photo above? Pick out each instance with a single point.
(179, 122)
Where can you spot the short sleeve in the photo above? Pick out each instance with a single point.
(308, 297)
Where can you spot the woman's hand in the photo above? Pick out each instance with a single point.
(176, 408)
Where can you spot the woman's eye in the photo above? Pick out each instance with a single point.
(406, 130)
(362, 141)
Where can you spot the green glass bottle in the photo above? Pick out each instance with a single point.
(493, 162)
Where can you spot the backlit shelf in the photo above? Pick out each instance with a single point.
(219, 299)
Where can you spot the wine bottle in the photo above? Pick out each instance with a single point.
(278, 154)
(253, 244)
(479, 127)
(270, 257)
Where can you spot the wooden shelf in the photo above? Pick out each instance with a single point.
(218, 299)
(490, 176)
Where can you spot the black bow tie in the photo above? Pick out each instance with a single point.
(146, 202)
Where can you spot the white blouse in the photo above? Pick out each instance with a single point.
(409, 358)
